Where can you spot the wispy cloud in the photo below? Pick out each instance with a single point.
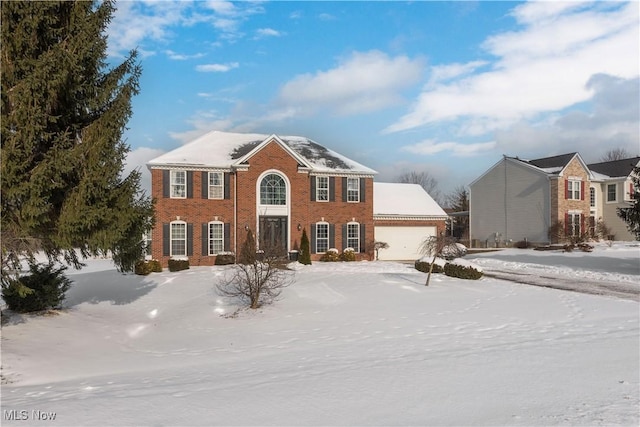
(268, 32)
(431, 147)
(363, 82)
(217, 68)
(542, 68)
(182, 57)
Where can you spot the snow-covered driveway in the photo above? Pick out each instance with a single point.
(610, 271)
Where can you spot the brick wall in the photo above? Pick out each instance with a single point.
(560, 205)
(303, 211)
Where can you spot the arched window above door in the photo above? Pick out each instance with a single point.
(273, 190)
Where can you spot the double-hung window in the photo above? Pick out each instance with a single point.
(574, 224)
(216, 238)
(178, 184)
(612, 192)
(573, 189)
(322, 237)
(592, 197)
(353, 236)
(322, 188)
(178, 239)
(353, 190)
(216, 185)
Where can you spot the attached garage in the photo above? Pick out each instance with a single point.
(404, 241)
(404, 215)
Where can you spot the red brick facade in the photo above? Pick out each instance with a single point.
(241, 210)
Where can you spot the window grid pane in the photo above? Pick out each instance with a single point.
(592, 197)
(322, 238)
(611, 193)
(178, 184)
(574, 190)
(216, 239)
(216, 186)
(353, 236)
(273, 190)
(178, 239)
(353, 189)
(322, 188)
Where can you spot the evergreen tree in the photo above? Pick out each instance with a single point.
(248, 250)
(63, 116)
(305, 253)
(631, 215)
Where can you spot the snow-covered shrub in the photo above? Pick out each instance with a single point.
(463, 270)
(331, 255)
(44, 288)
(225, 258)
(424, 263)
(453, 250)
(178, 264)
(349, 254)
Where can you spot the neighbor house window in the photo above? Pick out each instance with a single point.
(574, 190)
(612, 193)
(353, 236)
(574, 224)
(178, 238)
(592, 197)
(353, 190)
(216, 238)
(322, 188)
(322, 237)
(216, 185)
(273, 190)
(178, 184)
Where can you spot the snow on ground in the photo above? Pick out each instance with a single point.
(361, 343)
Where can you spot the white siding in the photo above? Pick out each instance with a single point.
(511, 199)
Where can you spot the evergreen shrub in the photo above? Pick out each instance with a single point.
(423, 266)
(43, 289)
(331, 255)
(178, 264)
(225, 258)
(145, 267)
(462, 272)
(348, 255)
(305, 252)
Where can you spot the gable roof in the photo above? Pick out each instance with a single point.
(560, 161)
(404, 200)
(227, 150)
(616, 168)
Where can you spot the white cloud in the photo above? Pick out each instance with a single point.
(543, 67)
(268, 32)
(217, 68)
(365, 81)
(431, 147)
(441, 73)
(181, 57)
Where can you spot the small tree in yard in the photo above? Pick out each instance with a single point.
(433, 246)
(631, 215)
(305, 252)
(379, 245)
(256, 281)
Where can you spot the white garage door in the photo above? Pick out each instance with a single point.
(404, 242)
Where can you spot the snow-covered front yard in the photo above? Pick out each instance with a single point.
(348, 344)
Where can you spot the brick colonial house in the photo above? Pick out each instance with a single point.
(210, 191)
(521, 199)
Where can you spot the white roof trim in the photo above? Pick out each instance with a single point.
(267, 141)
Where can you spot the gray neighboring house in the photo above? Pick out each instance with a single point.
(520, 199)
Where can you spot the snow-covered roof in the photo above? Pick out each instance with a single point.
(225, 150)
(404, 200)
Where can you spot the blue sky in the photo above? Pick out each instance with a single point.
(442, 87)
